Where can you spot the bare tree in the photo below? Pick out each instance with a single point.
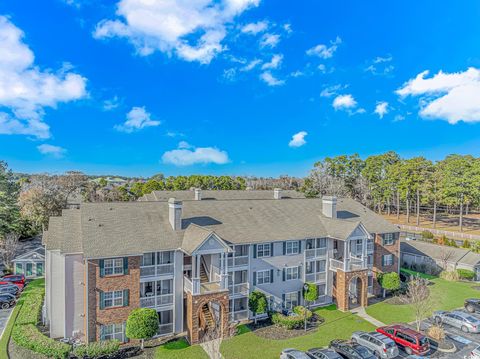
(9, 248)
(419, 298)
(445, 257)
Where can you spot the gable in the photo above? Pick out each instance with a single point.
(359, 231)
(31, 255)
(211, 244)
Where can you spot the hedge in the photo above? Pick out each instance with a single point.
(97, 349)
(466, 274)
(29, 337)
(292, 321)
(31, 309)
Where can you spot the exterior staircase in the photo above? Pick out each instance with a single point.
(203, 274)
(207, 314)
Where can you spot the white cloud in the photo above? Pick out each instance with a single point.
(251, 65)
(26, 90)
(288, 28)
(323, 51)
(230, 74)
(298, 139)
(381, 109)
(270, 40)
(332, 90)
(380, 59)
(452, 97)
(344, 102)
(274, 63)
(380, 66)
(187, 155)
(111, 104)
(137, 119)
(51, 150)
(271, 80)
(398, 118)
(193, 30)
(254, 28)
(297, 73)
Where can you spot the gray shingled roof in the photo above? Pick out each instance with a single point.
(218, 195)
(194, 236)
(437, 252)
(129, 228)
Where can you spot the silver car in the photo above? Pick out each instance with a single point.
(293, 354)
(379, 344)
(464, 321)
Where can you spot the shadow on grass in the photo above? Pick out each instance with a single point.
(176, 344)
(242, 329)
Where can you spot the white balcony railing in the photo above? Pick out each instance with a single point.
(164, 329)
(315, 252)
(315, 277)
(352, 264)
(336, 264)
(239, 289)
(239, 261)
(156, 301)
(156, 270)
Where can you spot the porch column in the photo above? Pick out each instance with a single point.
(346, 253)
(364, 251)
(223, 271)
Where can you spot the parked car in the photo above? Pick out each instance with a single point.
(464, 321)
(475, 354)
(381, 345)
(319, 353)
(7, 300)
(351, 350)
(15, 279)
(18, 285)
(472, 305)
(412, 341)
(293, 354)
(9, 288)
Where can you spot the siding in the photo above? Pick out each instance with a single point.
(74, 290)
(58, 295)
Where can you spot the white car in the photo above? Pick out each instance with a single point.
(293, 354)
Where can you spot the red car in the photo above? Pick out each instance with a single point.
(17, 279)
(412, 341)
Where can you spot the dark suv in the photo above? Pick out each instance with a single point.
(351, 350)
(412, 341)
(472, 305)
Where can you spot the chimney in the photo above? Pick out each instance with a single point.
(175, 214)
(277, 193)
(329, 206)
(198, 194)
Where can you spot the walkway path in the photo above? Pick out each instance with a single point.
(212, 348)
(360, 311)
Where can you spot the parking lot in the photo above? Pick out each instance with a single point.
(4, 315)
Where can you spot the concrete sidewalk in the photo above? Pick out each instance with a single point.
(360, 311)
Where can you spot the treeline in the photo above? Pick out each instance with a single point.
(388, 182)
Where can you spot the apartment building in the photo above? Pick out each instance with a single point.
(194, 256)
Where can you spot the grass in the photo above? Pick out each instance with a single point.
(337, 325)
(32, 286)
(445, 295)
(180, 349)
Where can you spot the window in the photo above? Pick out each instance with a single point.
(164, 286)
(387, 259)
(29, 270)
(263, 277)
(358, 247)
(291, 247)
(321, 288)
(291, 300)
(113, 299)
(113, 266)
(263, 250)
(39, 269)
(19, 268)
(112, 331)
(148, 259)
(321, 266)
(388, 239)
(165, 257)
(291, 273)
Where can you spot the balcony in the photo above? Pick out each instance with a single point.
(156, 270)
(239, 289)
(194, 286)
(239, 261)
(352, 264)
(156, 301)
(315, 277)
(315, 253)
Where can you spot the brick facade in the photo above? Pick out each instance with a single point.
(193, 309)
(342, 286)
(381, 250)
(131, 281)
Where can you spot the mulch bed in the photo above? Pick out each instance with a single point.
(266, 329)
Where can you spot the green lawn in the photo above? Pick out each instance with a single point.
(337, 325)
(34, 285)
(445, 296)
(180, 349)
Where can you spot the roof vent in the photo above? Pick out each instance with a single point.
(277, 193)
(198, 194)
(329, 206)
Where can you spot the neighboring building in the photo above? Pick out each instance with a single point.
(436, 257)
(195, 256)
(31, 264)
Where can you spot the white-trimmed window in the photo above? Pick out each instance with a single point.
(291, 300)
(388, 239)
(387, 259)
(263, 277)
(291, 273)
(113, 299)
(292, 247)
(113, 266)
(263, 250)
(113, 331)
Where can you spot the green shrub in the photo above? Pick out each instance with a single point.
(142, 323)
(427, 235)
(299, 310)
(29, 337)
(466, 274)
(292, 321)
(31, 309)
(97, 349)
(450, 275)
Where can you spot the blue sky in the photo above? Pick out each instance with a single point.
(241, 87)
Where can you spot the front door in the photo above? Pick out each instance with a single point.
(29, 270)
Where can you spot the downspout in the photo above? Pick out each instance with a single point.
(87, 324)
